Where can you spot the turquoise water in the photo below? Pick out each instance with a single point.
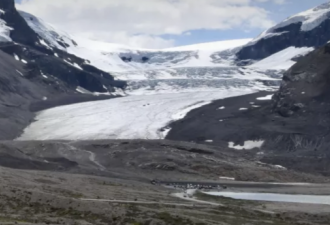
(313, 199)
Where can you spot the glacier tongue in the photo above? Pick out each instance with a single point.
(132, 117)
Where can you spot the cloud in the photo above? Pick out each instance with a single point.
(141, 22)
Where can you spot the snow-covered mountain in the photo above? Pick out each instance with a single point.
(306, 29)
(200, 66)
(179, 69)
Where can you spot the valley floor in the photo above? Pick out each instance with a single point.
(81, 194)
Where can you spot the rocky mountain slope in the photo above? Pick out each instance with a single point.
(291, 128)
(306, 29)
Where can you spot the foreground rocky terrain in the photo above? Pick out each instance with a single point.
(108, 182)
(144, 160)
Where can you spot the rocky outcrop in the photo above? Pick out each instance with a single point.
(305, 86)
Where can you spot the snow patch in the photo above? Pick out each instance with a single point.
(227, 178)
(77, 66)
(4, 30)
(24, 61)
(268, 97)
(281, 60)
(44, 43)
(183, 112)
(83, 90)
(222, 107)
(247, 145)
(243, 109)
(16, 57)
(280, 167)
(20, 73)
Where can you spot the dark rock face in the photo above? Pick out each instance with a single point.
(305, 86)
(15, 93)
(21, 32)
(291, 35)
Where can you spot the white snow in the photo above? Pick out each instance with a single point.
(2, 11)
(243, 109)
(42, 41)
(213, 46)
(222, 107)
(77, 66)
(83, 90)
(281, 60)
(56, 54)
(16, 57)
(44, 75)
(4, 31)
(20, 73)
(268, 97)
(247, 145)
(227, 178)
(280, 167)
(24, 61)
(46, 31)
(183, 112)
(121, 118)
(209, 141)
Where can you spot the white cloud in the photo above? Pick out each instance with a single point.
(120, 20)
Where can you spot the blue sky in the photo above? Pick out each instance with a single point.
(165, 23)
(277, 14)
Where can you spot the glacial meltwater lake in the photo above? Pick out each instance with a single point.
(311, 199)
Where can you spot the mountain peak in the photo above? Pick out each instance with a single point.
(306, 29)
